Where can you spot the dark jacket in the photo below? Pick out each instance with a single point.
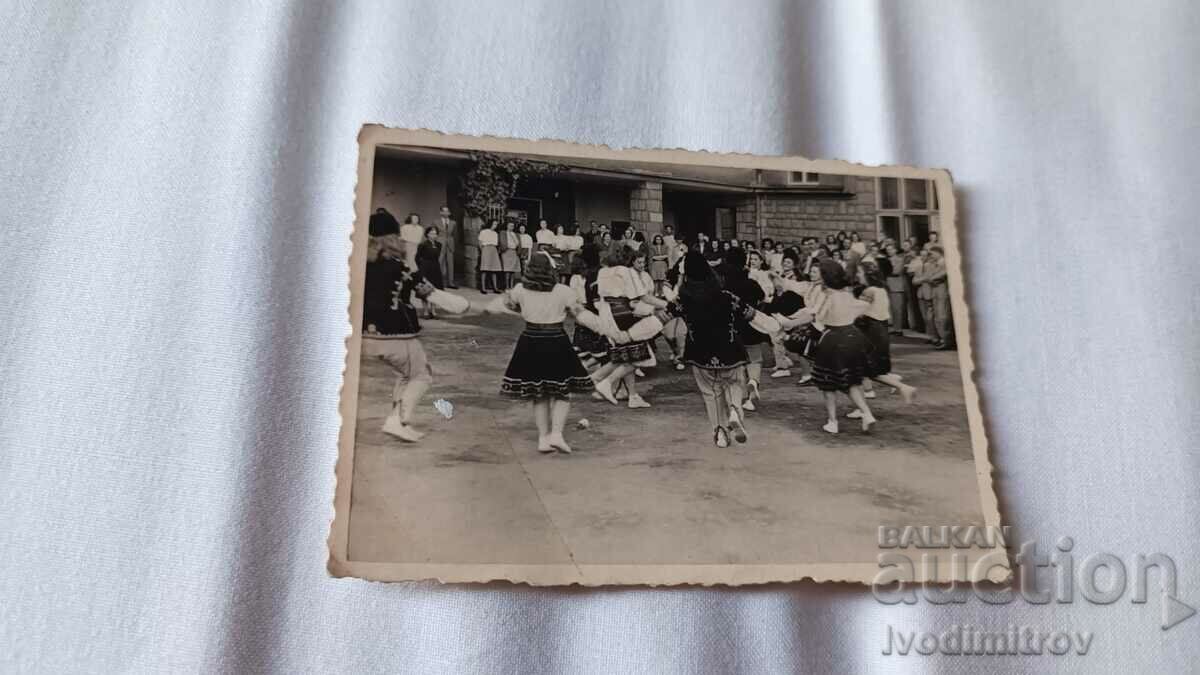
(712, 316)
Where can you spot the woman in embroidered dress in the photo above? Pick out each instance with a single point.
(619, 286)
(843, 355)
(544, 368)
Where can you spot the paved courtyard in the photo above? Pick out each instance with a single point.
(648, 486)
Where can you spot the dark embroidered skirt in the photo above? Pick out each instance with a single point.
(590, 343)
(544, 365)
(880, 358)
(632, 352)
(841, 359)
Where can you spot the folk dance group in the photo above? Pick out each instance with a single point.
(718, 317)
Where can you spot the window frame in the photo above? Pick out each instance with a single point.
(805, 178)
(902, 211)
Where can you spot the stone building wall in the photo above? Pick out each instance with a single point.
(790, 218)
(646, 208)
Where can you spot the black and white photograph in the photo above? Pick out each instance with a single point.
(592, 366)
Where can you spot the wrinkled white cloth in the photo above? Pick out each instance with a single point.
(176, 185)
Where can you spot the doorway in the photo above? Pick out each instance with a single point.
(726, 219)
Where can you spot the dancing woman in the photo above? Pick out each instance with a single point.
(591, 346)
(842, 356)
(619, 286)
(544, 368)
(737, 281)
(674, 329)
(713, 349)
(874, 324)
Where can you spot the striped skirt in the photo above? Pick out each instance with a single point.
(544, 365)
(632, 352)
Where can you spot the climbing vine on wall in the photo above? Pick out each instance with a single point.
(492, 179)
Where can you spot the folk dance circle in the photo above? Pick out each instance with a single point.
(718, 308)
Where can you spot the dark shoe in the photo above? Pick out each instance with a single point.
(451, 286)
(946, 348)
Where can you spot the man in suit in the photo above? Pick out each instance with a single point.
(449, 231)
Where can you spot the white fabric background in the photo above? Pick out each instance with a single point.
(176, 185)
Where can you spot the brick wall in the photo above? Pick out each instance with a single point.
(790, 218)
(646, 208)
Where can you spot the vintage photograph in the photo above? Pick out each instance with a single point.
(577, 365)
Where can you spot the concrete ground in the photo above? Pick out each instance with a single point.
(649, 486)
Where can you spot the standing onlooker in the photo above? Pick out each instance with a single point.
(448, 229)
(912, 265)
(525, 246)
(896, 287)
(429, 255)
(489, 258)
(923, 267)
(510, 257)
(939, 283)
(412, 234)
(659, 262)
(668, 236)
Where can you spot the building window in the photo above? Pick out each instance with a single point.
(803, 178)
(889, 193)
(889, 226)
(906, 208)
(916, 194)
(917, 226)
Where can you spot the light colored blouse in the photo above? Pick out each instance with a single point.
(489, 237)
(511, 240)
(775, 261)
(545, 236)
(526, 241)
(840, 308)
(544, 306)
(620, 282)
(880, 305)
(413, 234)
